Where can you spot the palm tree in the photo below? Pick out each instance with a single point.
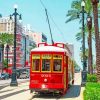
(90, 60)
(97, 36)
(72, 14)
(5, 38)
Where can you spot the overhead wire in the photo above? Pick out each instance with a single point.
(57, 27)
(53, 21)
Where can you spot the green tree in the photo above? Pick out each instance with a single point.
(75, 64)
(5, 63)
(5, 38)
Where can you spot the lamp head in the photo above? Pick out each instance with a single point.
(10, 17)
(20, 18)
(15, 6)
(82, 3)
(88, 19)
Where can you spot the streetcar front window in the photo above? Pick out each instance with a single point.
(45, 65)
(36, 62)
(46, 62)
(57, 65)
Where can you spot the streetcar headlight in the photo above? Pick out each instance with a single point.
(45, 80)
(43, 86)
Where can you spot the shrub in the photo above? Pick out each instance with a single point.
(92, 91)
(91, 78)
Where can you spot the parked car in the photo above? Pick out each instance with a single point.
(24, 75)
(4, 76)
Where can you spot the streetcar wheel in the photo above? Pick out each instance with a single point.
(73, 82)
(31, 91)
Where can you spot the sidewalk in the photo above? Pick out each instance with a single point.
(76, 91)
(21, 92)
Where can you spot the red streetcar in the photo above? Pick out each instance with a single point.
(51, 68)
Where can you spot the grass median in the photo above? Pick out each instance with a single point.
(92, 89)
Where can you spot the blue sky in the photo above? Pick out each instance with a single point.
(33, 13)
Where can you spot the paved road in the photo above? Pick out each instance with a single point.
(22, 92)
(72, 93)
(7, 82)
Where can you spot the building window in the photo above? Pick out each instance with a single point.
(8, 60)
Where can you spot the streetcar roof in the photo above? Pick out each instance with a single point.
(49, 49)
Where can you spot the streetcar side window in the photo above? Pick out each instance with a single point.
(57, 63)
(36, 63)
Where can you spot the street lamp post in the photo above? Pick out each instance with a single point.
(7, 49)
(14, 78)
(2, 56)
(25, 53)
(84, 72)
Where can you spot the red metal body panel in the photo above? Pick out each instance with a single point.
(53, 82)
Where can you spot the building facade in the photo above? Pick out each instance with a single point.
(25, 41)
(7, 26)
(38, 37)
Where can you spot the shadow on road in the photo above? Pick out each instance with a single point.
(73, 91)
(2, 87)
(47, 96)
(11, 94)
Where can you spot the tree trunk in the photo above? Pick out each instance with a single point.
(90, 58)
(97, 38)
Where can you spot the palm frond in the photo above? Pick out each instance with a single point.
(71, 19)
(76, 5)
(6, 38)
(72, 13)
(88, 7)
(78, 36)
